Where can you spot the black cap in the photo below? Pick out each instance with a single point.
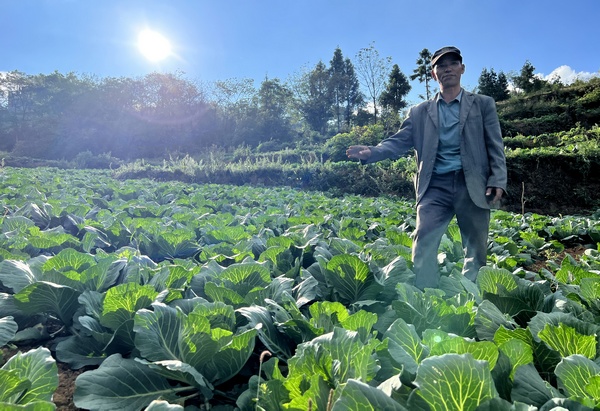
(442, 52)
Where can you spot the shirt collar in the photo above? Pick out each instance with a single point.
(458, 98)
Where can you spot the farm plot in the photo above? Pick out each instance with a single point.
(165, 295)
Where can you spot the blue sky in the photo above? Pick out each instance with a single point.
(222, 39)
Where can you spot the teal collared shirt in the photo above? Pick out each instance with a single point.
(448, 154)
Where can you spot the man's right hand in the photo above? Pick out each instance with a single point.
(359, 152)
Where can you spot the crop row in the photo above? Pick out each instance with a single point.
(171, 294)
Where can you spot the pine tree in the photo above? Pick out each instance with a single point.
(527, 80)
(423, 71)
(353, 98)
(493, 85)
(396, 89)
(316, 98)
(338, 85)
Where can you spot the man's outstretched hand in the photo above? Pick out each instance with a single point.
(359, 152)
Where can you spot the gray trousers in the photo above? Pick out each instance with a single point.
(445, 198)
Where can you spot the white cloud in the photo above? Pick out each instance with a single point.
(567, 75)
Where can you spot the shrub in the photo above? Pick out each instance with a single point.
(86, 159)
(271, 145)
(335, 147)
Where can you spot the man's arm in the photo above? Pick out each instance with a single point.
(495, 149)
(393, 147)
(359, 152)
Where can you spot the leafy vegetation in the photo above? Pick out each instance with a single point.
(570, 160)
(294, 132)
(188, 293)
(553, 108)
(269, 298)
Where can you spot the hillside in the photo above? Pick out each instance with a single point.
(554, 109)
(551, 138)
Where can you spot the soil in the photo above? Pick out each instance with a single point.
(576, 252)
(63, 397)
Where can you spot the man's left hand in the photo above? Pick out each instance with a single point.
(494, 194)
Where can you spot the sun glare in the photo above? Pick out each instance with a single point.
(154, 46)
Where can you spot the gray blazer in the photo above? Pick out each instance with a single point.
(481, 146)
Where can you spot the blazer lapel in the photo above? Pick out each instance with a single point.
(433, 112)
(465, 105)
(431, 133)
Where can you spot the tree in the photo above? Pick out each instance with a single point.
(392, 98)
(234, 104)
(397, 87)
(344, 87)
(14, 107)
(527, 80)
(314, 97)
(353, 97)
(40, 109)
(372, 70)
(109, 119)
(493, 85)
(228, 93)
(337, 85)
(423, 71)
(168, 108)
(274, 101)
(502, 89)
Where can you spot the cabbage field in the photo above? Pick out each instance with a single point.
(165, 295)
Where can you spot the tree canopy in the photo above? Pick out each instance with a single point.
(423, 72)
(493, 84)
(58, 116)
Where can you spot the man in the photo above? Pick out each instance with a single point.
(461, 167)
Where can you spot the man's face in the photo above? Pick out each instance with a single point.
(448, 70)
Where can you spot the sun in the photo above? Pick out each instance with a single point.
(153, 45)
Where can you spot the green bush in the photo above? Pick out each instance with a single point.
(534, 126)
(559, 109)
(524, 142)
(335, 147)
(272, 145)
(86, 159)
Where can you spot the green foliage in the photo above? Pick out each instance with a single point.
(205, 339)
(315, 95)
(8, 329)
(527, 81)
(86, 159)
(570, 158)
(124, 383)
(336, 146)
(273, 122)
(28, 381)
(343, 89)
(578, 377)
(397, 87)
(456, 382)
(493, 84)
(423, 72)
(551, 110)
(174, 292)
